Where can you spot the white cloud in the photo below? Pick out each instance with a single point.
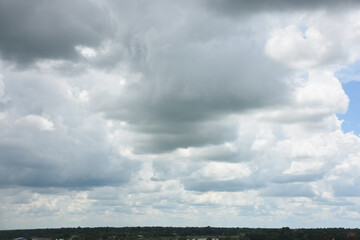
(322, 90)
(36, 121)
(314, 97)
(2, 87)
(79, 96)
(302, 167)
(86, 52)
(296, 49)
(216, 171)
(317, 40)
(3, 116)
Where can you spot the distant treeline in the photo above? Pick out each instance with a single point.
(183, 233)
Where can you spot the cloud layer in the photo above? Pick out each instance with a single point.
(191, 113)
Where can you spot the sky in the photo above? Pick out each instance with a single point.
(179, 113)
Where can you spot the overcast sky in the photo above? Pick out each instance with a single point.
(179, 113)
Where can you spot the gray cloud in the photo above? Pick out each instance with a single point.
(307, 177)
(236, 185)
(84, 137)
(46, 140)
(191, 84)
(220, 153)
(192, 77)
(50, 30)
(37, 165)
(347, 189)
(245, 7)
(289, 190)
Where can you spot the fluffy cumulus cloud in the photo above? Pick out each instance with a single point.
(191, 113)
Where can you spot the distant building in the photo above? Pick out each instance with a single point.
(20, 238)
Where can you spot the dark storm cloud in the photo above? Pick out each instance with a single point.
(49, 29)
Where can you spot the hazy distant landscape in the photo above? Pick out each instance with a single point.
(183, 233)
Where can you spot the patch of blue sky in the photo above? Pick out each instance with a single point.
(349, 77)
(303, 28)
(349, 73)
(351, 119)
